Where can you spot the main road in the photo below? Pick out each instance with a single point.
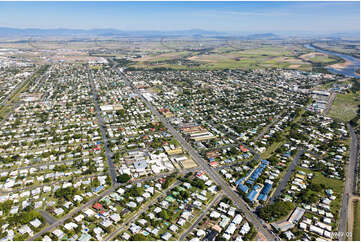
(237, 200)
(112, 171)
(349, 186)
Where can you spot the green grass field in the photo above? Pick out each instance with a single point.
(345, 106)
(229, 58)
(356, 221)
(271, 149)
(322, 59)
(335, 185)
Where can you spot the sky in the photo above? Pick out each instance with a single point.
(323, 17)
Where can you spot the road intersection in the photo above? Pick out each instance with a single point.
(212, 173)
(264, 231)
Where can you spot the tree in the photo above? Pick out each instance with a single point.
(123, 178)
(198, 183)
(233, 151)
(273, 160)
(184, 194)
(164, 214)
(138, 237)
(308, 197)
(67, 193)
(170, 179)
(276, 211)
(29, 216)
(95, 182)
(6, 206)
(316, 187)
(108, 181)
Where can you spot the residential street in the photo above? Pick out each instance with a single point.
(144, 208)
(49, 219)
(237, 200)
(14, 92)
(265, 129)
(112, 170)
(286, 177)
(72, 213)
(105, 193)
(193, 123)
(204, 213)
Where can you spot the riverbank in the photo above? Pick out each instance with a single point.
(340, 66)
(348, 68)
(337, 50)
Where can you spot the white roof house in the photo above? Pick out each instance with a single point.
(238, 219)
(58, 233)
(166, 236)
(231, 228)
(35, 223)
(245, 229)
(115, 217)
(316, 230)
(215, 214)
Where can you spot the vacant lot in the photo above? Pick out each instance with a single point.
(345, 106)
(334, 184)
(189, 163)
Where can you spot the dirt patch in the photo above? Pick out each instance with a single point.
(208, 58)
(294, 66)
(260, 237)
(311, 55)
(341, 65)
(189, 164)
(165, 56)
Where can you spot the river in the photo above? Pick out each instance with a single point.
(348, 70)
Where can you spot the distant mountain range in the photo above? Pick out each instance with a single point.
(34, 32)
(263, 36)
(197, 33)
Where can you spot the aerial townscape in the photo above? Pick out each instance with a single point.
(119, 125)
